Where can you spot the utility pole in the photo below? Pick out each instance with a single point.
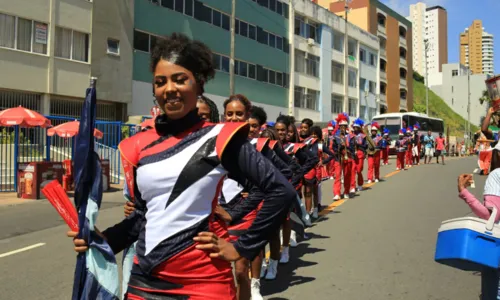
(426, 77)
(346, 59)
(231, 58)
(468, 106)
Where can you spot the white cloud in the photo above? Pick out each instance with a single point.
(403, 6)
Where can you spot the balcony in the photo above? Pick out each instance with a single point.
(402, 82)
(403, 104)
(382, 98)
(383, 53)
(402, 41)
(402, 61)
(381, 30)
(383, 75)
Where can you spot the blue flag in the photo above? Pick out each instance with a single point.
(96, 273)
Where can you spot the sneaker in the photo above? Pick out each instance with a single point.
(337, 197)
(307, 220)
(263, 268)
(272, 269)
(315, 213)
(255, 289)
(397, 169)
(369, 181)
(281, 237)
(360, 188)
(293, 239)
(306, 236)
(346, 196)
(352, 191)
(376, 180)
(285, 255)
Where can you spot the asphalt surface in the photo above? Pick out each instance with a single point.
(377, 245)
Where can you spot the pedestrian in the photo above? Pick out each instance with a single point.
(359, 158)
(374, 159)
(440, 145)
(324, 156)
(429, 146)
(416, 144)
(179, 253)
(410, 142)
(490, 278)
(385, 145)
(401, 150)
(343, 145)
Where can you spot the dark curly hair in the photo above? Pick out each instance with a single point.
(258, 113)
(269, 133)
(190, 54)
(285, 120)
(214, 111)
(317, 130)
(239, 97)
(308, 121)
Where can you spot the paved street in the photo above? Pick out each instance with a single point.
(378, 245)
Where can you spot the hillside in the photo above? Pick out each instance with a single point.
(439, 109)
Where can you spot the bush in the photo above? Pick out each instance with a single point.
(418, 77)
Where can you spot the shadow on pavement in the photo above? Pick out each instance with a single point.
(286, 272)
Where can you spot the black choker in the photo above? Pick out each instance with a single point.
(165, 126)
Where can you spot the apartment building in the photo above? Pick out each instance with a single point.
(476, 49)
(319, 62)
(430, 37)
(396, 55)
(456, 85)
(261, 48)
(49, 50)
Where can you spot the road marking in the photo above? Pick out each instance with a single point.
(22, 250)
(392, 173)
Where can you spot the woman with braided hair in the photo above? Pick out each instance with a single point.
(207, 109)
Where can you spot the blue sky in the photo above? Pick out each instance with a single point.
(461, 13)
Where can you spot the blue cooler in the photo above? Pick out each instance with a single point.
(469, 244)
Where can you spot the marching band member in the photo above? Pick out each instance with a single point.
(343, 144)
(324, 156)
(329, 141)
(416, 145)
(409, 147)
(178, 253)
(359, 158)
(374, 159)
(401, 150)
(385, 145)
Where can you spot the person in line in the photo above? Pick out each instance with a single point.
(179, 253)
(401, 145)
(416, 144)
(440, 146)
(374, 159)
(385, 145)
(343, 145)
(359, 158)
(490, 278)
(310, 181)
(429, 146)
(207, 109)
(409, 147)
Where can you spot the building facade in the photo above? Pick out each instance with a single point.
(456, 85)
(395, 35)
(49, 50)
(319, 64)
(430, 25)
(476, 49)
(261, 48)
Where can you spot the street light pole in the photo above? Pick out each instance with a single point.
(426, 77)
(231, 58)
(468, 105)
(346, 60)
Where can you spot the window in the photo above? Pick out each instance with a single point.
(251, 71)
(362, 84)
(353, 106)
(454, 73)
(362, 55)
(352, 78)
(274, 5)
(362, 112)
(337, 104)
(217, 61)
(252, 32)
(71, 44)
(351, 48)
(23, 34)
(312, 65)
(272, 40)
(244, 29)
(202, 12)
(262, 74)
(243, 67)
(373, 60)
(312, 99)
(298, 96)
(216, 18)
(307, 29)
(141, 41)
(337, 72)
(372, 87)
(179, 6)
(402, 94)
(300, 61)
(279, 42)
(113, 46)
(338, 42)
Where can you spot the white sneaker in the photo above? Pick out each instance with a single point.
(285, 255)
(337, 197)
(397, 169)
(272, 269)
(352, 191)
(255, 289)
(360, 188)
(376, 180)
(281, 237)
(315, 213)
(369, 181)
(346, 196)
(293, 239)
(263, 268)
(307, 220)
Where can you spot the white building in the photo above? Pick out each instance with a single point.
(49, 50)
(429, 24)
(455, 87)
(318, 79)
(488, 54)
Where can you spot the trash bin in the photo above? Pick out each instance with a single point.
(33, 176)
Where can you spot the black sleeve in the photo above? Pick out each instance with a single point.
(292, 163)
(242, 158)
(330, 154)
(277, 162)
(245, 206)
(125, 233)
(307, 160)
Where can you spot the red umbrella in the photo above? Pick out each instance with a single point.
(148, 122)
(23, 117)
(70, 129)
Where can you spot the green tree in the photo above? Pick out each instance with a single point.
(419, 108)
(418, 77)
(485, 97)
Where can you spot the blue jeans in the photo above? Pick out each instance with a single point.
(489, 284)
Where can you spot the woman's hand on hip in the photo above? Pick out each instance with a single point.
(218, 248)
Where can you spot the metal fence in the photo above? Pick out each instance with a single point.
(32, 144)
